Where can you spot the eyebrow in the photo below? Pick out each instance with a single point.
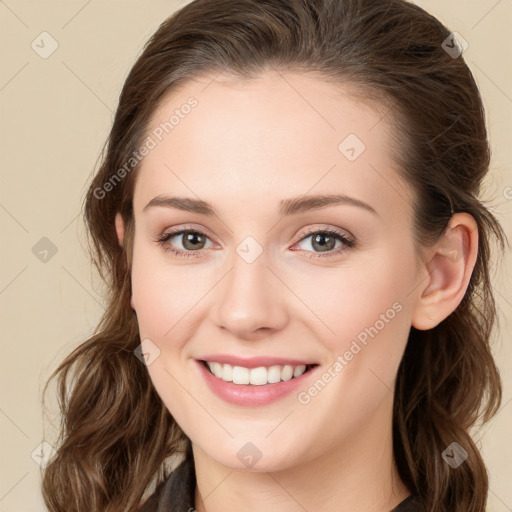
(291, 206)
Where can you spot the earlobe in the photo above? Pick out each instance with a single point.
(449, 267)
(119, 228)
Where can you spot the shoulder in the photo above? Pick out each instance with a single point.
(410, 504)
(174, 494)
(151, 504)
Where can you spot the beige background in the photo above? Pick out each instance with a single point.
(55, 115)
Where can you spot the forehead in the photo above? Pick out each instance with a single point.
(278, 135)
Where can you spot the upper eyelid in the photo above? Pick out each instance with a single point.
(172, 232)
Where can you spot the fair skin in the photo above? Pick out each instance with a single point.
(244, 148)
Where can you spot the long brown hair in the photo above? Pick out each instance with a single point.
(116, 434)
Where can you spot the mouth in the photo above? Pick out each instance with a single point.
(259, 376)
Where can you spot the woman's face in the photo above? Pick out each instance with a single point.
(263, 284)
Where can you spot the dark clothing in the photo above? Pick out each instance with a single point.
(408, 505)
(176, 494)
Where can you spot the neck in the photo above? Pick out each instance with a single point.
(358, 475)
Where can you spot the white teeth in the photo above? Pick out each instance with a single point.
(227, 372)
(287, 372)
(258, 376)
(274, 374)
(240, 375)
(255, 376)
(217, 370)
(299, 370)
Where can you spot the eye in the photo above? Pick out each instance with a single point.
(191, 241)
(324, 240)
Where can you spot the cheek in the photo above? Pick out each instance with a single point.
(148, 297)
(366, 293)
(162, 294)
(163, 299)
(368, 310)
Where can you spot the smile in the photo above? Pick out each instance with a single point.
(256, 376)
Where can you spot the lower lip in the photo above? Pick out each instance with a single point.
(251, 395)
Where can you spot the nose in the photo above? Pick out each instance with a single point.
(251, 301)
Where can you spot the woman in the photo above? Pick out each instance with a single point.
(288, 221)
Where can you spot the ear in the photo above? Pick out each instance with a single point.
(120, 228)
(448, 266)
(120, 237)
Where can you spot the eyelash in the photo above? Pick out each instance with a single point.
(165, 237)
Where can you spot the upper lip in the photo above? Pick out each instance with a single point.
(254, 362)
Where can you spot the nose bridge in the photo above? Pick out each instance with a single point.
(250, 296)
